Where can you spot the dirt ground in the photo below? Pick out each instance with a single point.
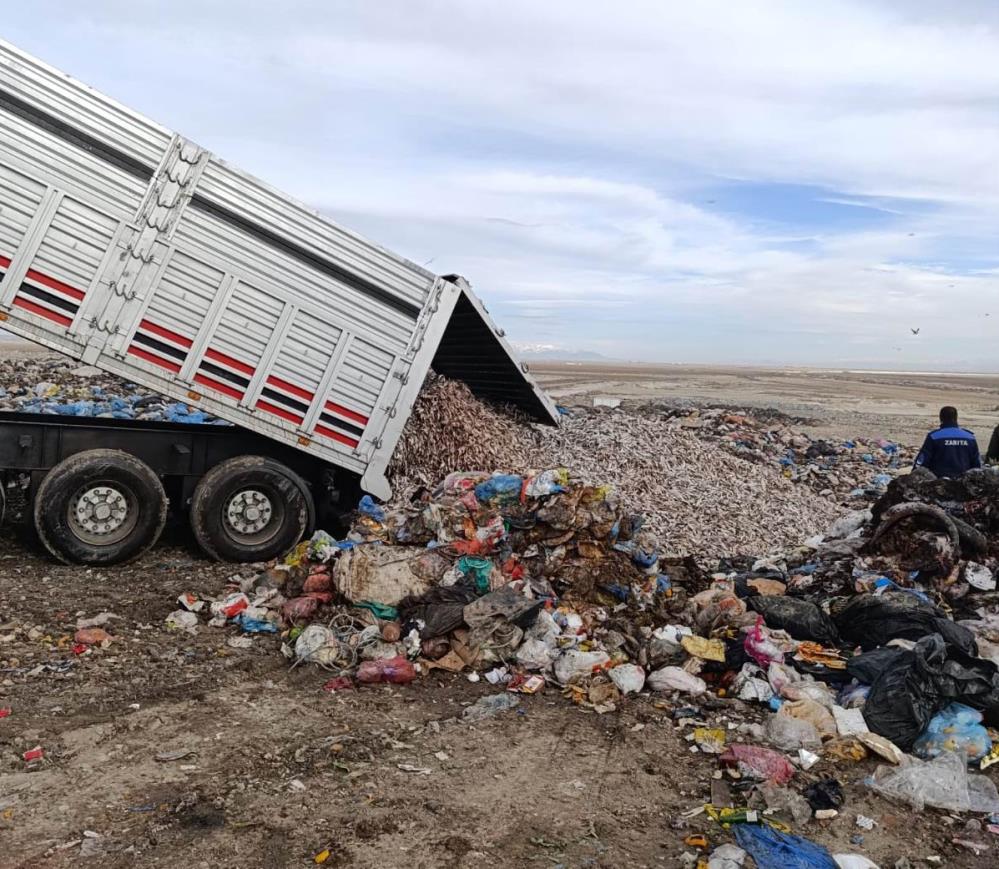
(898, 406)
(279, 770)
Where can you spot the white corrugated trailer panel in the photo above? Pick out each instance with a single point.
(134, 249)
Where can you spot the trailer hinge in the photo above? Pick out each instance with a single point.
(401, 376)
(127, 295)
(104, 327)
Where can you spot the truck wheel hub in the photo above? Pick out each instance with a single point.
(249, 511)
(101, 510)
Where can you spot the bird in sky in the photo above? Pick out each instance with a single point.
(914, 331)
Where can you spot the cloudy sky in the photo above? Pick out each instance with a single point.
(774, 182)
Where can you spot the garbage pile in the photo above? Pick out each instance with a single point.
(851, 471)
(53, 385)
(674, 475)
(867, 654)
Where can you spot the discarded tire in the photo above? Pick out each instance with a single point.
(250, 508)
(100, 507)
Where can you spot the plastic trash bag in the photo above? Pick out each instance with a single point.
(727, 857)
(772, 849)
(629, 678)
(441, 609)
(801, 619)
(757, 762)
(500, 489)
(917, 684)
(760, 647)
(675, 679)
(573, 664)
(790, 734)
(870, 620)
(957, 728)
(477, 570)
(551, 482)
(368, 507)
(943, 783)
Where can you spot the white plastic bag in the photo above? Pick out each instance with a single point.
(676, 679)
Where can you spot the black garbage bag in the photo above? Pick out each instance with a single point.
(826, 793)
(867, 667)
(801, 619)
(441, 609)
(870, 620)
(913, 686)
(902, 699)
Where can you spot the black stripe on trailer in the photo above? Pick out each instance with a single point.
(44, 121)
(340, 424)
(162, 347)
(218, 371)
(288, 402)
(50, 298)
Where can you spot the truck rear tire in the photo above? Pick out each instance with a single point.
(100, 507)
(250, 508)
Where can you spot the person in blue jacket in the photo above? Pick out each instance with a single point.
(949, 451)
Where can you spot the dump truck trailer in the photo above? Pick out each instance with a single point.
(128, 247)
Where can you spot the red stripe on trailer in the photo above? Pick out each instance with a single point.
(42, 312)
(4, 261)
(218, 387)
(348, 414)
(156, 360)
(53, 284)
(165, 333)
(277, 411)
(335, 435)
(242, 367)
(290, 387)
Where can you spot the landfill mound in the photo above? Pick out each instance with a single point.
(695, 498)
(865, 657)
(711, 482)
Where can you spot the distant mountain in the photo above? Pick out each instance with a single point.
(541, 352)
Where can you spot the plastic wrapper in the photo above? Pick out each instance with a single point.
(317, 644)
(701, 647)
(675, 679)
(943, 783)
(791, 734)
(956, 728)
(574, 664)
(629, 678)
(547, 483)
(809, 710)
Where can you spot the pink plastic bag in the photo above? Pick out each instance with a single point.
(760, 647)
(397, 670)
(757, 762)
(299, 609)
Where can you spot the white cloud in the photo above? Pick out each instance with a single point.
(580, 164)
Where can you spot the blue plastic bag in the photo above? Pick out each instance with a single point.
(501, 488)
(957, 728)
(368, 507)
(772, 849)
(255, 626)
